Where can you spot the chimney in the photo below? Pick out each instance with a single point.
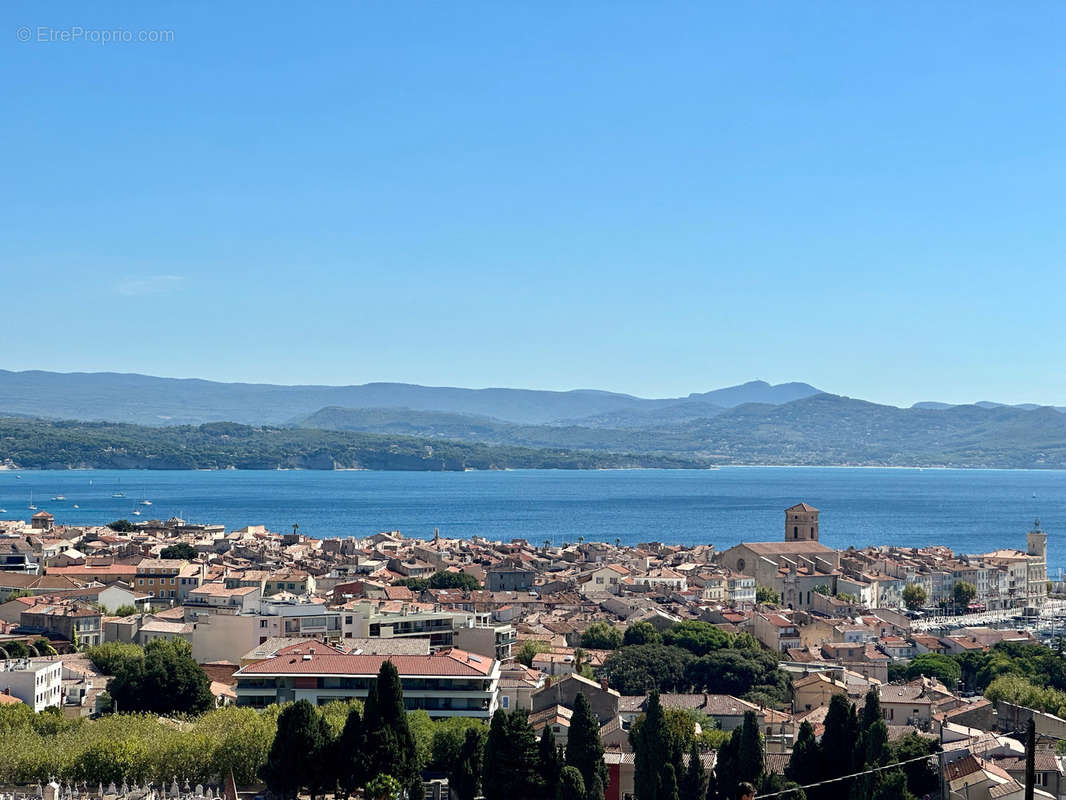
(604, 684)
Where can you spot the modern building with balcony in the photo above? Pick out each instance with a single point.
(36, 682)
(450, 683)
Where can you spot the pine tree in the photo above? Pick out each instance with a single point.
(583, 747)
(694, 779)
(550, 765)
(391, 747)
(596, 791)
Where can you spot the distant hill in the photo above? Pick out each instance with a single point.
(824, 429)
(987, 404)
(36, 444)
(147, 400)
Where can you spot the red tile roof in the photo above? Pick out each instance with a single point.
(452, 663)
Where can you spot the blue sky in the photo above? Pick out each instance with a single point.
(650, 198)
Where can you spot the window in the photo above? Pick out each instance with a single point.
(505, 701)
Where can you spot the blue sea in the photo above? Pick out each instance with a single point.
(967, 510)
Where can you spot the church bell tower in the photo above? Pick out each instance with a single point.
(801, 523)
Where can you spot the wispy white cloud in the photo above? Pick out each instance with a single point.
(149, 284)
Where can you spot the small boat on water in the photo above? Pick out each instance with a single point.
(146, 502)
(136, 512)
(76, 506)
(59, 497)
(31, 506)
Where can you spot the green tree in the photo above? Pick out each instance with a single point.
(529, 648)
(750, 764)
(571, 784)
(923, 777)
(914, 596)
(166, 681)
(383, 787)
(893, 786)
(642, 632)
(694, 779)
(549, 762)
(698, 637)
(963, 594)
(300, 747)
(465, 776)
(601, 635)
(840, 737)
(641, 668)
(668, 789)
(126, 610)
(583, 747)
(655, 745)
(109, 656)
(391, 746)
(181, 550)
(805, 765)
(351, 765)
(44, 647)
(453, 580)
(511, 758)
(766, 596)
(935, 665)
(122, 526)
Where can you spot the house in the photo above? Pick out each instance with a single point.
(450, 683)
(602, 699)
(70, 619)
(509, 579)
(776, 631)
(603, 579)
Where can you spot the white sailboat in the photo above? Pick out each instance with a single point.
(31, 506)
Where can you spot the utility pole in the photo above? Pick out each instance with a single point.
(1030, 758)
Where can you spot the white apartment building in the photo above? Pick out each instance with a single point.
(451, 683)
(36, 682)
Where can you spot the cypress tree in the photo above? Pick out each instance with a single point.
(391, 746)
(549, 762)
(350, 762)
(668, 790)
(694, 779)
(651, 747)
(750, 765)
(465, 775)
(727, 768)
(583, 747)
(805, 763)
(511, 759)
(299, 747)
(571, 785)
(596, 791)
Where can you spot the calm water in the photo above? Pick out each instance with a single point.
(968, 510)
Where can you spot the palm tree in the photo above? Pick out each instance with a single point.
(295, 527)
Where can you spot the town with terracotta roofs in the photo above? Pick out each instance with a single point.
(767, 639)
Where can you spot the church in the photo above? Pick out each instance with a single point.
(792, 568)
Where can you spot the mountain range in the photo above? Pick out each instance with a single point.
(754, 423)
(148, 400)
